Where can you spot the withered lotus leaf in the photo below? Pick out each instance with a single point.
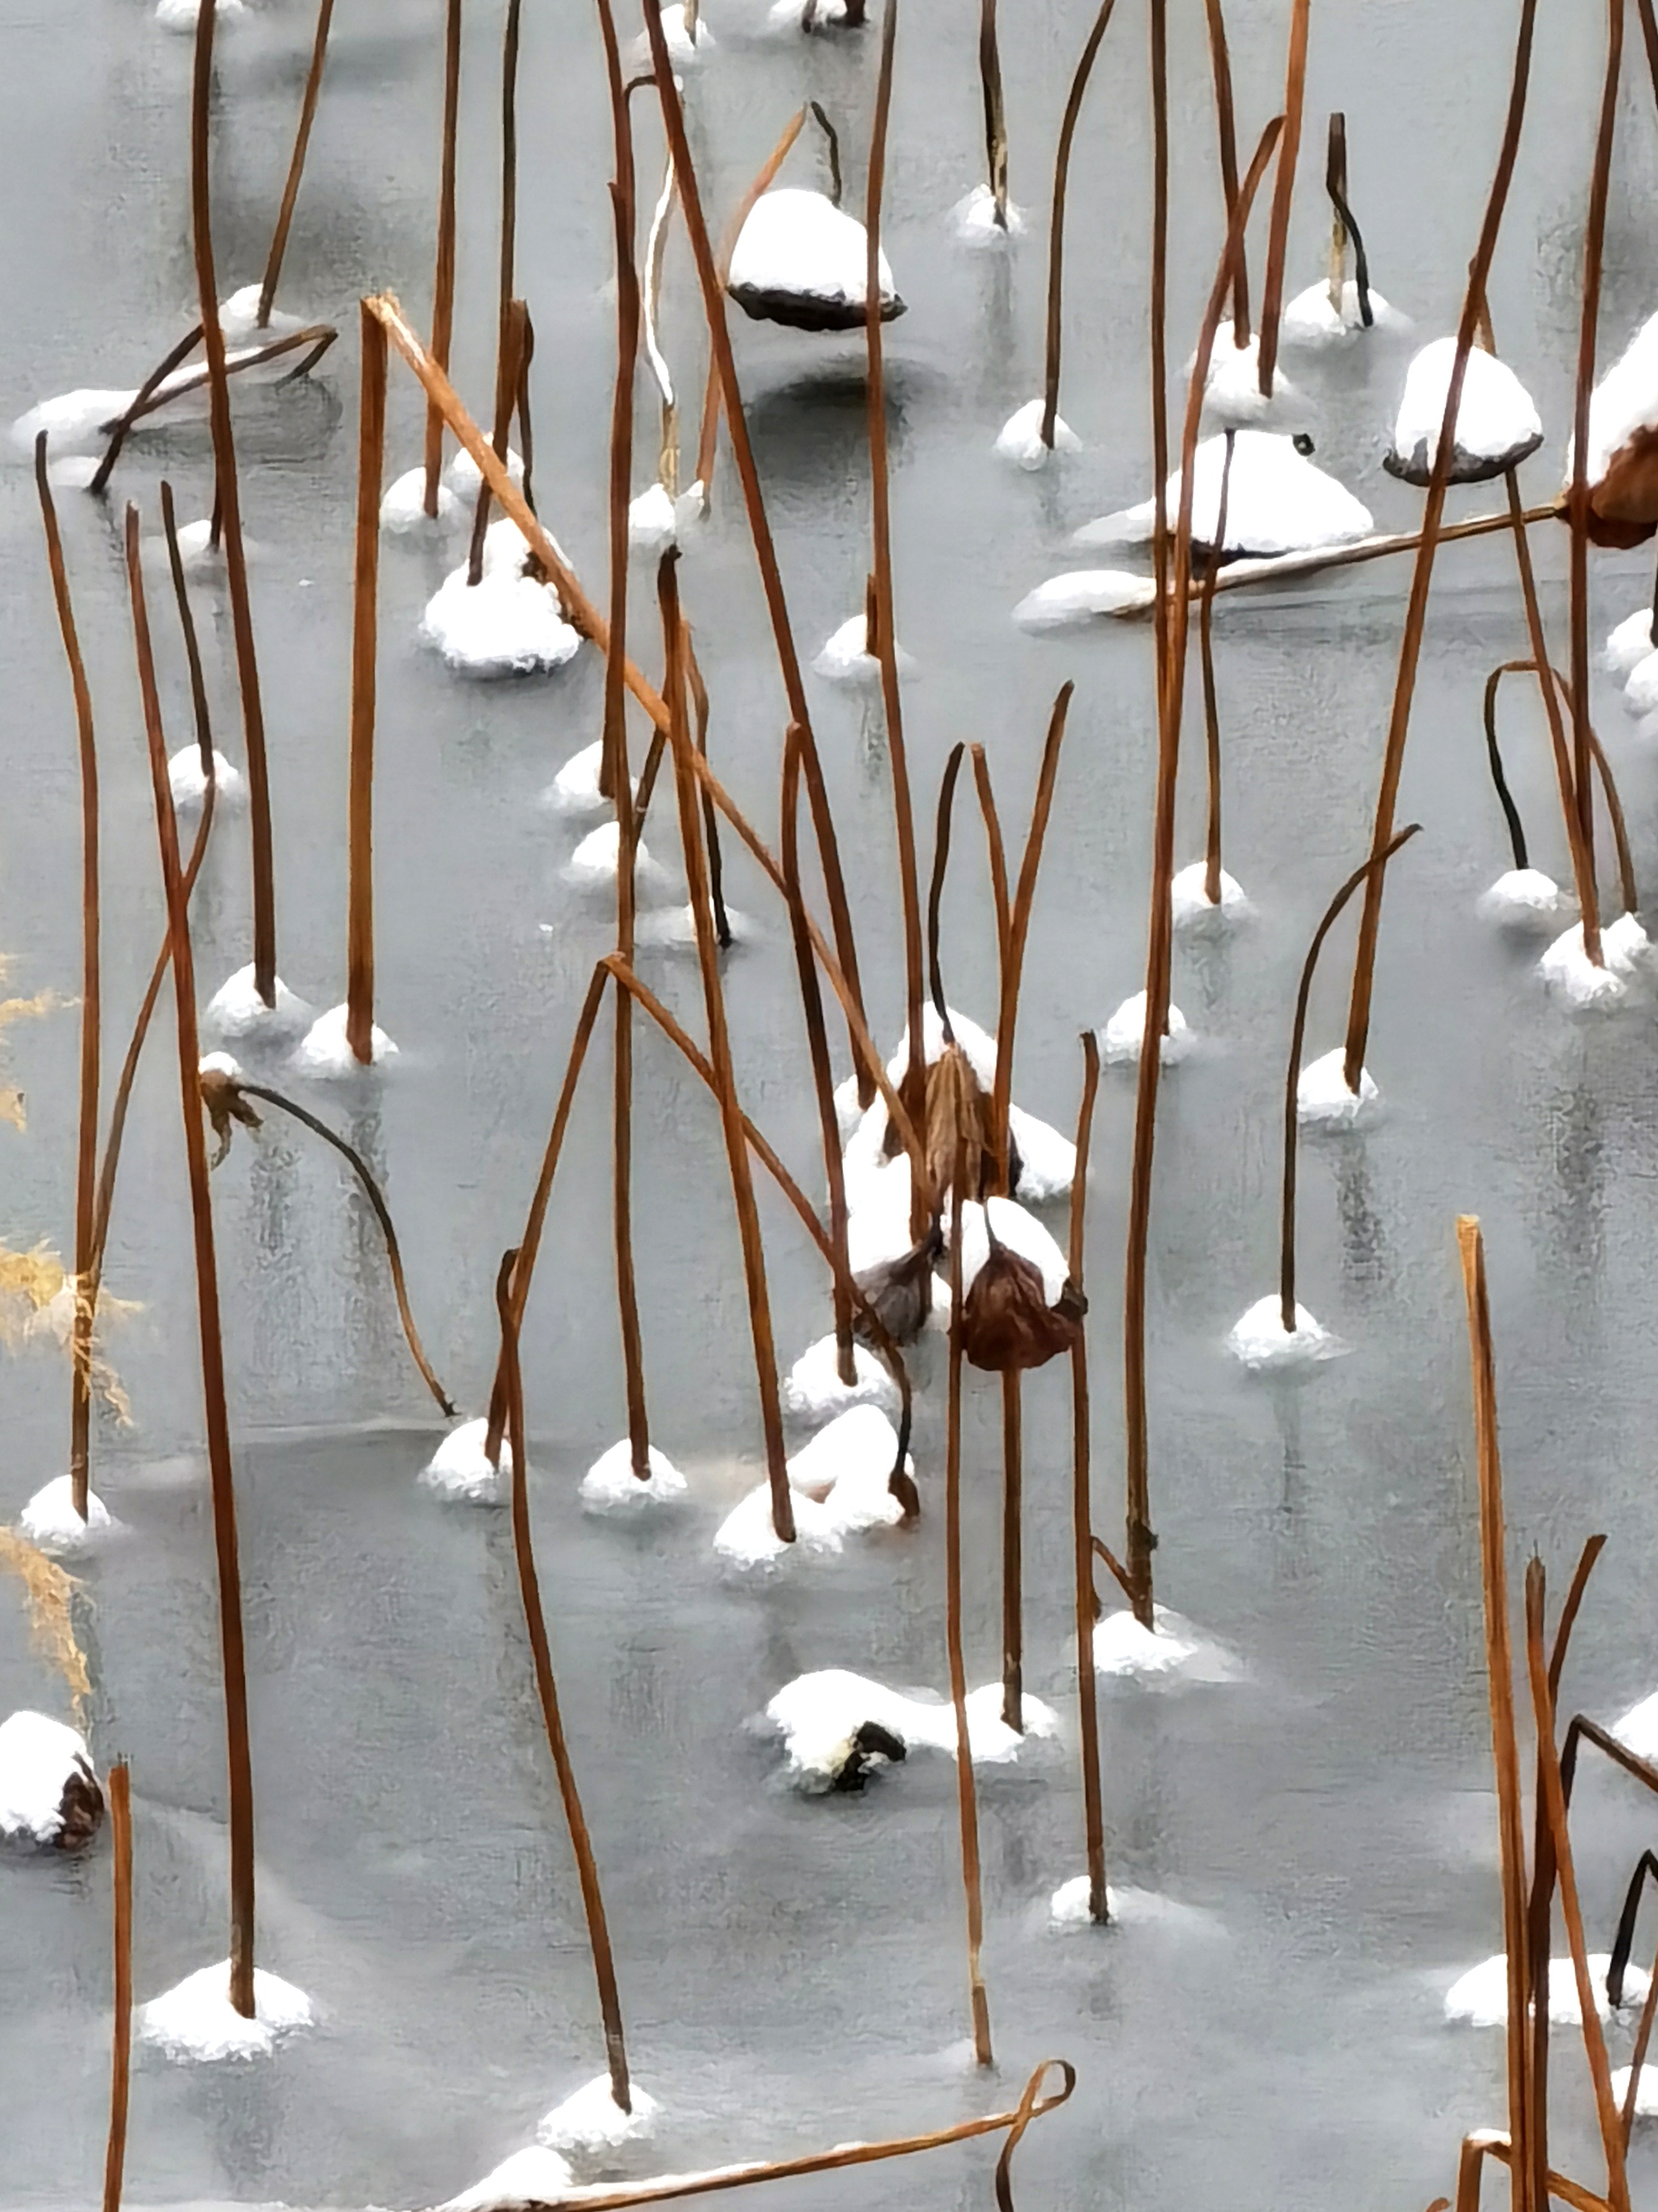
(1006, 1321)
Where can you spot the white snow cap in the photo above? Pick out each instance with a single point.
(1021, 1232)
(813, 1391)
(197, 2022)
(974, 220)
(1195, 912)
(845, 657)
(39, 1759)
(574, 789)
(595, 863)
(1276, 501)
(1046, 1160)
(1232, 396)
(180, 15)
(1312, 323)
(1630, 643)
(239, 318)
(800, 259)
(237, 1014)
(1323, 1100)
(792, 15)
(1646, 2095)
(461, 1467)
(507, 623)
(1624, 401)
(652, 523)
(323, 1052)
(1171, 1651)
(1080, 595)
(1574, 979)
(846, 1468)
(610, 1486)
(1523, 898)
(403, 510)
(536, 2172)
(1125, 1033)
(746, 1538)
(1638, 1731)
(188, 786)
(819, 1715)
(463, 475)
(1259, 1340)
(589, 2121)
(1641, 689)
(50, 1523)
(1480, 1997)
(687, 49)
(1020, 438)
(1497, 424)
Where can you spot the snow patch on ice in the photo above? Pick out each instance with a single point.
(50, 1523)
(1323, 1100)
(610, 1486)
(1259, 1340)
(1123, 1034)
(196, 2023)
(819, 1714)
(813, 1391)
(38, 1757)
(459, 1468)
(1171, 1651)
(1479, 1998)
(1020, 438)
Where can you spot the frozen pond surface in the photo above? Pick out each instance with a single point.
(792, 1969)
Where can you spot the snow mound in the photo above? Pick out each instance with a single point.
(1259, 1340)
(460, 1468)
(610, 1486)
(196, 2023)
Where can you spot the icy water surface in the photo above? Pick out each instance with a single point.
(792, 1970)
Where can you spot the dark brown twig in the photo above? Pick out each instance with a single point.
(990, 84)
(273, 267)
(443, 280)
(120, 2057)
(1206, 659)
(365, 611)
(1284, 186)
(1226, 127)
(1082, 1511)
(1024, 899)
(1074, 108)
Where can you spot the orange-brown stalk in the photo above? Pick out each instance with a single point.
(1081, 1522)
(443, 280)
(965, 1790)
(365, 611)
(120, 2057)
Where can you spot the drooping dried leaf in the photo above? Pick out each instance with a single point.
(49, 1593)
(1006, 1321)
(901, 1292)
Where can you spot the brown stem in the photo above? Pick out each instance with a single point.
(1171, 658)
(1082, 1515)
(1638, 2055)
(699, 689)
(1226, 127)
(241, 613)
(997, 852)
(220, 1476)
(91, 1025)
(1292, 1079)
(365, 607)
(120, 1835)
(1206, 655)
(1358, 1014)
(535, 1621)
(935, 888)
(1284, 186)
(511, 336)
(443, 280)
(966, 1788)
(1623, 1942)
(1024, 899)
(990, 85)
(273, 267)
(811, 1003)
(691, 199)
(1012, 1553)
(1594, 2041)
(713, 998)
(376, 1198)
(1499, 1674)
(1074, 108)
(884, 643)
(1158, 305)
(137, 405)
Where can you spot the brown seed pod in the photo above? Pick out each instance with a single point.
(1623, 506)
(1006, 1321)
(900, 1292)
(81, 1809)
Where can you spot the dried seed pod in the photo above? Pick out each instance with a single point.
(900, 1292)
(81, 1809)
(1006, 1321)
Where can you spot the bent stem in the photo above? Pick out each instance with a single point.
(990, 84)
(535, 1622)
(273, 267)
(86, 1298)
(376, 1198)
(1206, 656)
(220, 1476)
(1499, 1674)
(360, 899)
(1074, 108)
(713, 998)
(1019, 929)
(443, 280)
(1284, 186)
(229, 510)
(1081, 1514)
(1226, 127)
(966, 1786)
(1292, 1078)
(1344, 229)
(1358, 1012)
(120, 2055)
(1504, 796)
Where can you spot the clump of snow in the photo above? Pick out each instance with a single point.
(237, 1014)
(592, 867)
(839, 1486)
(403, 510)
(1323, 1100)
(1312, 322)
(820, 1714)
(673, 928)
(72, 420)
(1638, 1731)
(181, 15)
(461, 1467)
(1082, 594)
(813, 1391)
(463, 477)
(746, 1539)
(1124, 1034)
(1497, 423)
(1020, 1233)
(610, 1486)
(1523, 898)
(1046, 1160)
(1641, 687)
(1646, 2094)
(506, 624)
(1171, 1651)
(50, 1523)
(1129, 1908)
(323, 1053)
(1195, 912)
(1020, 439)
(528, 2174)
(974, 220)
(1479, 1998)
(189, 785)
(1624, 401)
(687, 48)
(39, 1760)
(195, 2022)
(1259, 1340)
(801, 260)
(1232, 396)
(589, 2122)
(1276, 501)
(239, 319)
(845, 657)
(652, 526)
(1574, 979)
(1629, 643)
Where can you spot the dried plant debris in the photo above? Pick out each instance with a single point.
(49, 1596)
(37, 1303)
